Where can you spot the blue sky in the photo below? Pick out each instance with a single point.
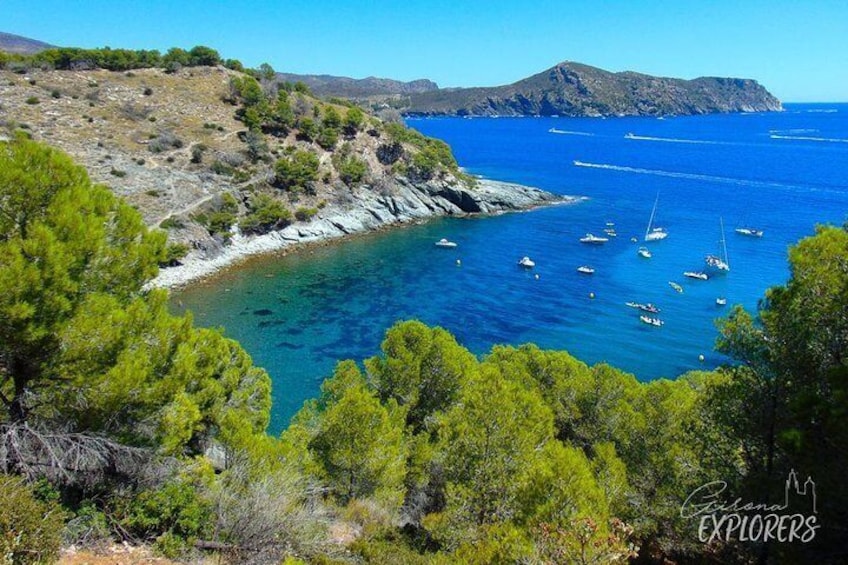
(797, 49)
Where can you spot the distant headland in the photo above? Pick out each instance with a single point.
(567, 89)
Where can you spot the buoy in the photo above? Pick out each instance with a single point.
(701, 358)
(591, 295)
(633, 239)
(537, 277)
(458, 262)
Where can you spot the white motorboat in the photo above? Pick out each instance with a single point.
(721, 301)
(750, 232)
(445, 243)
(651, 321)
(675, 286)
(644, 252)
(696, 275)
(526, 262)
(593, 239)
(586, 270)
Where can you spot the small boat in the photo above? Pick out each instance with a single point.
(593, 239)
(750, 232)
(721, 301)
(586, 270)
(675, 286)
(610, 232)
(644, 252)
(721, 263)
(526, 262)
(652, 233)
(696, 275)
(651, 321)
(610, 224)
(445, 243)
(632, 304)
(649, 308)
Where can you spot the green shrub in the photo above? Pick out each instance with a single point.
(32, 100)
(197, 152)
(55, 93)
(307, 130)
(305, 214)
(327, 138)
(118, 173)
(173, 253)
(172, 222)
(173, 515)
(352, 170)
(221, 168)
(29, 528)
(266, 213)
(297, 172)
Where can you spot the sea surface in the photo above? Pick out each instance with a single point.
(779, 172)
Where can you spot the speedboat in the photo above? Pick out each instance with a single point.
(586, 270)
(651, 321)
(675, 286)
(632, 304)
(445, 243)
(721, 301)
(644, 252)
(526, 262)
(696, 275)
(649, 308)
(750, 232)
(593, 239)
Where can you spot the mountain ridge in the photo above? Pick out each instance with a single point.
(568, 88)
(577, 89)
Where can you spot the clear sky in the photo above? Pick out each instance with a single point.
(798, 49)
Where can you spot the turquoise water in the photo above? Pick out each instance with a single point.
(782, 173)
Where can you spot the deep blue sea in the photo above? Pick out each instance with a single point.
(779, 172)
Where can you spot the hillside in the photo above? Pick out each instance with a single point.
(344, 87)
(573, 89)
(231, 167)
(11, 43)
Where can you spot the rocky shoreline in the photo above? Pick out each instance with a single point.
(366, 211)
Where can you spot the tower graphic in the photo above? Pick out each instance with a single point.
(797, 497)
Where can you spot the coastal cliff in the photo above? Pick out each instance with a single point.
(574, 89)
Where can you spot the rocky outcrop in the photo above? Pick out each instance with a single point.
(367, 210)
(573, 89)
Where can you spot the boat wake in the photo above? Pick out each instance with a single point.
(676, 140)
(687, 176)
(809, 138)
(567, 132)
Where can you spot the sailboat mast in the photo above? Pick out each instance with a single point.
(724, 243)
(651, 220)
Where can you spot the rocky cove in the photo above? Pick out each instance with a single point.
(363, 211)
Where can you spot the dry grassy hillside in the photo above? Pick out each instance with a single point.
(170, 143)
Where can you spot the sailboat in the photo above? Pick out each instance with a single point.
(720, 263)
(652, 233)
